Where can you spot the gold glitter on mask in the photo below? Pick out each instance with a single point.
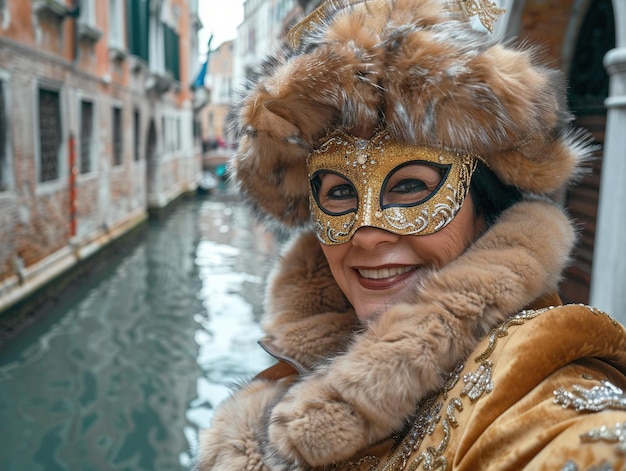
(371, 194)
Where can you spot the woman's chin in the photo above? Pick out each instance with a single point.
(376, 296)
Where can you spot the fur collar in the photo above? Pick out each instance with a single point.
(512, 264)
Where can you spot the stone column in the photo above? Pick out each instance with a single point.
(608, 280)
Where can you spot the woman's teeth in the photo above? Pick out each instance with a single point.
(385, 272)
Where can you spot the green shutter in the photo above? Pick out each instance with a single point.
(171, 51)
(138, 27)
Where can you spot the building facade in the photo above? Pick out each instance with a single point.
(96, 127)
(219, 83)
(264, 23)
(230, 63)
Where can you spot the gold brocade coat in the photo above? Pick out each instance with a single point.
(568, 413)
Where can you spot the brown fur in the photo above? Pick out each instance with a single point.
(424, 72)
(232, 442)
(307, 315)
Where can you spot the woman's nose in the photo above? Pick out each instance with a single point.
(369, 237)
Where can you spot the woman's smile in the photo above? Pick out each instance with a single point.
(384, 277)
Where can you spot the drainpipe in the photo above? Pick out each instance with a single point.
(72, 184)
(74, 13)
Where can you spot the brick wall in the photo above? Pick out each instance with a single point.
(545, 22)
(556, 24)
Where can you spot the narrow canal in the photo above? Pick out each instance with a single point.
(123, 372)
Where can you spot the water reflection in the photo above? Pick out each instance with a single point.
(121, 375)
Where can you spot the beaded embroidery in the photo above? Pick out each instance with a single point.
(616, 434)
(599, 312)
(429, 416)
(486, 11)
(606, 396)
(571, 466)
(478, 383)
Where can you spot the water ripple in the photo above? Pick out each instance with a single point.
(123, 374)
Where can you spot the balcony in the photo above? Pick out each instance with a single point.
(159, 82)
(88, 32)
(57, 8)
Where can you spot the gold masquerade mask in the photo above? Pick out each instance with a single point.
(385, 184)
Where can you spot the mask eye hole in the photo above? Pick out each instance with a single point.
(412, 183)
(334, 193)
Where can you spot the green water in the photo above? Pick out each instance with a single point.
(126, 368)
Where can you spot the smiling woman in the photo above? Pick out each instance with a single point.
(414, 313)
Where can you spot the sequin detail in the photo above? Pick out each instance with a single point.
(479, 382)
(605, 396)
(423, 445)
(571, 466)
(615, 434)
(485, 10)
(429, 414)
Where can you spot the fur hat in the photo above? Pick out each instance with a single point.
(419, 67)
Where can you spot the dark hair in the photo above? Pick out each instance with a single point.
(490, 197)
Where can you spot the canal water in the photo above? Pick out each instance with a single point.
(123, 372)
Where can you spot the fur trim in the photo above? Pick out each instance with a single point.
(232, 442)
(423, 71)
(307, 314)
(367, 390)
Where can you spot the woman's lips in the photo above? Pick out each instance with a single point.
(384, 278)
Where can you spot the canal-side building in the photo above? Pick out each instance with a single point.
(586, 39)
(219, 83)
(96, 127)
(264, 23)
(230, 63)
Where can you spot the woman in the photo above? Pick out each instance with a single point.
(414, 312)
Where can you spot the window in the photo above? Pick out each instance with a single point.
(116, 24)
(171, 133)
(4, 15)
(88, 12)
(136, 134)
(49, 135)
(156, 45)
(197, 129)
(86, 136)
(117, 136)
(171, 48)
(4, 157)
(164, 133)
(167, 134)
